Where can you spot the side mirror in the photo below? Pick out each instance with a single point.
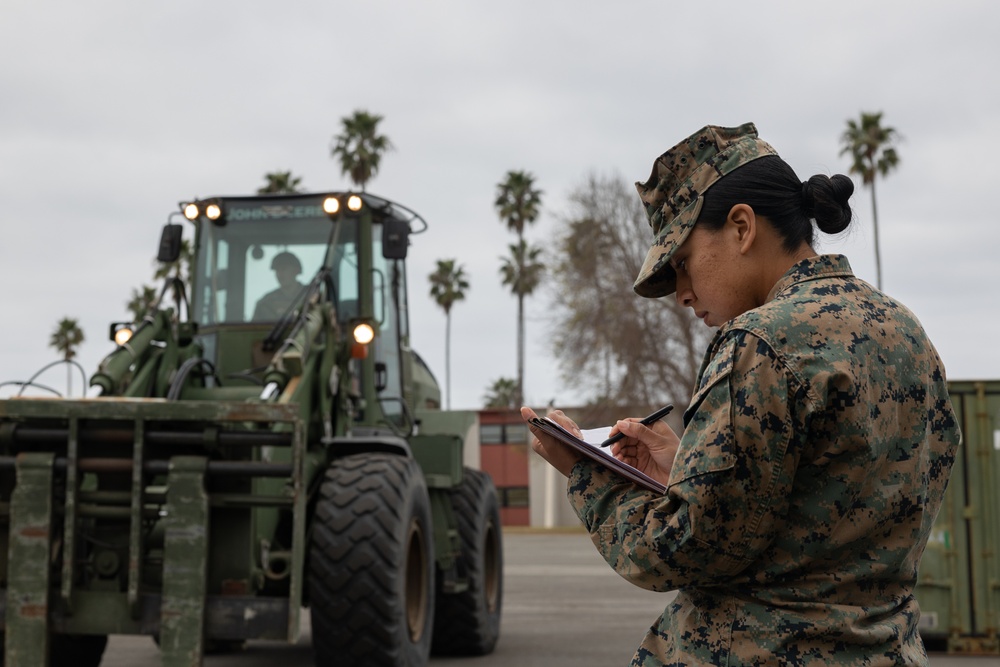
(170, 244)
(395, 238)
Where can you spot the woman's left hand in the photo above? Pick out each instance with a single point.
(561, 457)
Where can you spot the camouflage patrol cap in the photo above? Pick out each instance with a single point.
(673, 194)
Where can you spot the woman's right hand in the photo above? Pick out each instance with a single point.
(650, 449)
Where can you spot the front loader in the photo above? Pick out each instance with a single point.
(266, 443)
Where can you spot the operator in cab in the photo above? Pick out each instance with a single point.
(273, 305)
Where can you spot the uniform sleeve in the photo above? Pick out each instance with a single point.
(728, 487)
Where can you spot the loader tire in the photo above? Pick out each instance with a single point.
(468, 623)
(371, 564)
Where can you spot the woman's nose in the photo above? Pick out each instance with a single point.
(684, 295)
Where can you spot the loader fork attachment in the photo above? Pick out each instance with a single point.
(167, 465)
(27, 641)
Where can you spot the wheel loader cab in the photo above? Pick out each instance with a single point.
(253, 266)
(243, 262)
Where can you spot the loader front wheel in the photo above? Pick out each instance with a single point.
(371, 564)
(468, 622)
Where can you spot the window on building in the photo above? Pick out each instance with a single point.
(514, 496)
(491, 434)
(498, 434)
(516, 433)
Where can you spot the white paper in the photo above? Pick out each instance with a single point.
(596, 436)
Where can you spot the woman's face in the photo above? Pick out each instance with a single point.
(712, 276)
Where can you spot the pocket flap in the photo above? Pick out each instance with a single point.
(716, 369)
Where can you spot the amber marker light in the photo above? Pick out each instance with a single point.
(354, 203)
(331, 205)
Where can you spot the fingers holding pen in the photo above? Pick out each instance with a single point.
(626, 448)
(648, 448)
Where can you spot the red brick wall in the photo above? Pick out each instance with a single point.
(506, 462)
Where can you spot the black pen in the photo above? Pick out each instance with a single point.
(645, 421)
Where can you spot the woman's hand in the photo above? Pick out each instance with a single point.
(650, 449)
(561, 457)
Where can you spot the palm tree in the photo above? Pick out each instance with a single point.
(518, 204)
(522, 272)
(359, 147)
(448, 285)
(502, 394)
(66, 339)
(141, 301)
(870, 146)
(280, 183)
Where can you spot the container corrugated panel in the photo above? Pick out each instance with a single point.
(959, 580)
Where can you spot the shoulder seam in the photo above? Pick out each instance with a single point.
(761, 334)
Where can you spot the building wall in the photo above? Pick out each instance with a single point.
(547, 493)
(503, 453)
(530, 491)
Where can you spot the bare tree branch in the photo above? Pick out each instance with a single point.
(619, 347)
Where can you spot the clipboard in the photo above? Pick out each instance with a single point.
(594, 452)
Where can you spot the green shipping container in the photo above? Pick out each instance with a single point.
(959, 581)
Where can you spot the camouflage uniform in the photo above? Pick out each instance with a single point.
(814, 458)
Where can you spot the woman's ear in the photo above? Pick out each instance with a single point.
(743, 223)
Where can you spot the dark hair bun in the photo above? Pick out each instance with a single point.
(826, 200)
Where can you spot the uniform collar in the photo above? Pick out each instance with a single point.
(813, 268)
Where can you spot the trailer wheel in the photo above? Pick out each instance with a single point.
(468, 623)
(371, 564)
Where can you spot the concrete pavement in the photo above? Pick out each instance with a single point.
(562, 607)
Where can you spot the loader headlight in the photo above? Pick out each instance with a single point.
(354, 203)
(121, 332)
(364, 333)
(210, 208)
(331, 205)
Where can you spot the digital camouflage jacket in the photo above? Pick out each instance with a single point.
(814, 458)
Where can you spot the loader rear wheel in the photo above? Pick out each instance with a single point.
(468, 623)
(371, 564)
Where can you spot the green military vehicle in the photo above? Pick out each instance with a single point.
(269, 444)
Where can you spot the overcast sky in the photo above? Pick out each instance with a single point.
(112, 112)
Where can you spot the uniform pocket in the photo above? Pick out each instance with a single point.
(707, 442)
(716, 369)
